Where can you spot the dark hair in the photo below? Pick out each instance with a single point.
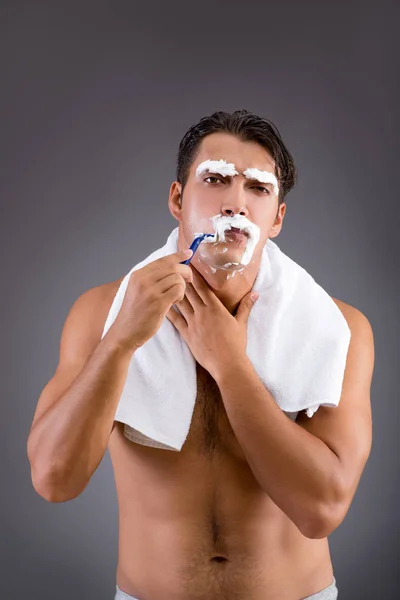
(248, 127)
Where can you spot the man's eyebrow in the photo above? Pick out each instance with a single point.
(225, 169)
(264, 177)
(216, 166)
(215, 172)
(253, 179)
(258, 181)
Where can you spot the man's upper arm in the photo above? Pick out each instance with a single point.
(347, 429)
(80, 335)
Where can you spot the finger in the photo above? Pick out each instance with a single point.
(177, 320)
(160, 272)
(173, 259)
(166, 283)
(202, 288)
(193, 297)
(185, 307)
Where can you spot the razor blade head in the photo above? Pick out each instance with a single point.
(196, 243)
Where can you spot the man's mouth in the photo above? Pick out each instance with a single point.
(237, 234)
(238, 230)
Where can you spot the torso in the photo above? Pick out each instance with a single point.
(196, 524)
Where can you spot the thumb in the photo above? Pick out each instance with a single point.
(246, 305)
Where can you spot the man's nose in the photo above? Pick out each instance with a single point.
(234, 202)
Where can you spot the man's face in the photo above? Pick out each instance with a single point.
(212, 197)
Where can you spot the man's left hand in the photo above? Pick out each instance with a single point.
(215, 337)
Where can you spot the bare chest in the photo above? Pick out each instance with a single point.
(210, 432)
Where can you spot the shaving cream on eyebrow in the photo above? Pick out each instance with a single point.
(263, 176)
(217, 166)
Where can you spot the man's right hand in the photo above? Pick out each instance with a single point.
(150, 293)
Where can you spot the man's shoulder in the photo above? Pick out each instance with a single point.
(356, 319)
(101, 295)
(92, 306)
(106, 291)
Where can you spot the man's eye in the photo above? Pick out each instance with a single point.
(215, 179)
(260, 187)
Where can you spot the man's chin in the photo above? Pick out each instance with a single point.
(226, 261)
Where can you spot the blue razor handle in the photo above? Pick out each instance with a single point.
(195, 244)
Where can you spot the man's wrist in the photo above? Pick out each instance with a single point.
(223, 370)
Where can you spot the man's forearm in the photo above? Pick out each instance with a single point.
(69, 440)
(296, 469)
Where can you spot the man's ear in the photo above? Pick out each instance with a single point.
(277, 226)
(175, 200)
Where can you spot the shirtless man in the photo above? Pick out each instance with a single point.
(244, 509)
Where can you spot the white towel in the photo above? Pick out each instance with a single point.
(297, 341)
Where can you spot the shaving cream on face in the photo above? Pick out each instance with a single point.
(263, 177)
(223, 224)
(217, 166)
(229, 170)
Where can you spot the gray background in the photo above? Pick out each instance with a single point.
(95, 97)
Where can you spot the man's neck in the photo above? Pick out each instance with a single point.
(229, 291)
